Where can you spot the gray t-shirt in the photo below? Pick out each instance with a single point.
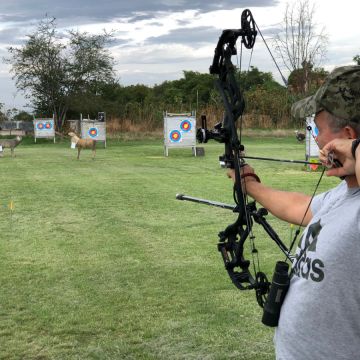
(320, 317)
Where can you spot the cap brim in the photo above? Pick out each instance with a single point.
(303, 108)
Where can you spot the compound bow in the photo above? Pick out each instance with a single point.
(233, 237)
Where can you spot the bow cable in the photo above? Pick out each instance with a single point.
(272, 56)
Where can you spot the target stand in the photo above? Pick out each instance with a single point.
(179, 131)
(94, 129)
(44, 128)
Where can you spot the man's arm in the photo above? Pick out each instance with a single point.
(285, 205)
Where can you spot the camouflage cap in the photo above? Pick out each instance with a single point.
(339, 95)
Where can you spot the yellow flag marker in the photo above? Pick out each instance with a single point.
(291, 231)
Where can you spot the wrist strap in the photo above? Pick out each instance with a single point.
(252, 175)
(354, 146)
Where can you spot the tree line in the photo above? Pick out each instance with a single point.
(142, 107)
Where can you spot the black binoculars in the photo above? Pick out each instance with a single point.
(278, 289)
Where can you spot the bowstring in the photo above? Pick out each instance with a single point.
(297, 232)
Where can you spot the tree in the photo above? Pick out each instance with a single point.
(356, 58)
(23, 115)
(3, 115)
(254, 78)
(299, 44)
(52, 73)
(315, 78)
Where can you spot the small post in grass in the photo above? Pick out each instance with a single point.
(11, 208)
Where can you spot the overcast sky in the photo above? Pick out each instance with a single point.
(157, 40)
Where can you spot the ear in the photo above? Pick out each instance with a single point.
(349, 132)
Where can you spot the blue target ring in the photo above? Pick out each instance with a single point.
(40, 126)
(175, 136)
(48, 125)
(93, 132)
(185, 125)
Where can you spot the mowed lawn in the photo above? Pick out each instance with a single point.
(99, 261)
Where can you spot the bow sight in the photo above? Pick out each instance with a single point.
(221, 135)
(233, 237)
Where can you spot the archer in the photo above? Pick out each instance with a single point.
(319, 318)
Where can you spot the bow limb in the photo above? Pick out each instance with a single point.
(232, 239)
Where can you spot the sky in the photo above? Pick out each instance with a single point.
(157, 40)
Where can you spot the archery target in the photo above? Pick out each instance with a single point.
(175, 136)
(185, 125)
(93, 132)
(313, 167)
(312, 148)
(44, 128)
(91, 129)
(312, 132)
(179, 130)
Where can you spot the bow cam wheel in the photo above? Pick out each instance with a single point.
(262, 288)
(248, 27)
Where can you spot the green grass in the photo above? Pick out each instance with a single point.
(99, 261)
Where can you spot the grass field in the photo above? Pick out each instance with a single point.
(99, 261)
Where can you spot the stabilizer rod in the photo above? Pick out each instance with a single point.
(206, 202)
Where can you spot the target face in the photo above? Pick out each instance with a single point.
(175, 136)
(313, 167)
(314, 132)
(44, 128)
(185, 125)
(93, 132)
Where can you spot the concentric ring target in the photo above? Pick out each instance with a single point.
(40, 126)
(93, 132)
(48, 125)
(185, 125)
(175, 136)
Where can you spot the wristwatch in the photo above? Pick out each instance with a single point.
(354, 146)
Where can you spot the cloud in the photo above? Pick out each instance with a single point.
(19, 10)
(194, 36)
(155, 41)
(12, 36)
(150, 54)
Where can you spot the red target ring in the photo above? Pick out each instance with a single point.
(93, 132)
(185, 125)
(175, 136)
